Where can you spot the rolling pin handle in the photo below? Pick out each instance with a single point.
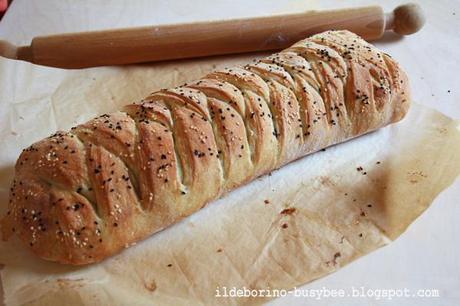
(405, 19)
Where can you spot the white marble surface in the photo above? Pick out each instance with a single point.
(426, 256)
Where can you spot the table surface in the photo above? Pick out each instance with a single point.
(425, 257)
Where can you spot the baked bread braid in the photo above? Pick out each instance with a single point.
(81, 196)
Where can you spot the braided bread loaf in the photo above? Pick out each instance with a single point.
(81, 196)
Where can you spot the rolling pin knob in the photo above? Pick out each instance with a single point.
(405, 19)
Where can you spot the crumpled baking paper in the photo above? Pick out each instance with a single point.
(295, 225)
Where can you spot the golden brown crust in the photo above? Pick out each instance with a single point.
(81, 196)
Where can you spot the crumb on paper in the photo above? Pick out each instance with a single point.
(150, 286)
(288, 211)
(334, 260)
(64, 283)
(416, 176)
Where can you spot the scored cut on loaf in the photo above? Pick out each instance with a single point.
(81, 196)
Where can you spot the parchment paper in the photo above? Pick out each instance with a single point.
(300, 223)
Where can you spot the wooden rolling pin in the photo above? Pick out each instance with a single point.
(158, 43)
